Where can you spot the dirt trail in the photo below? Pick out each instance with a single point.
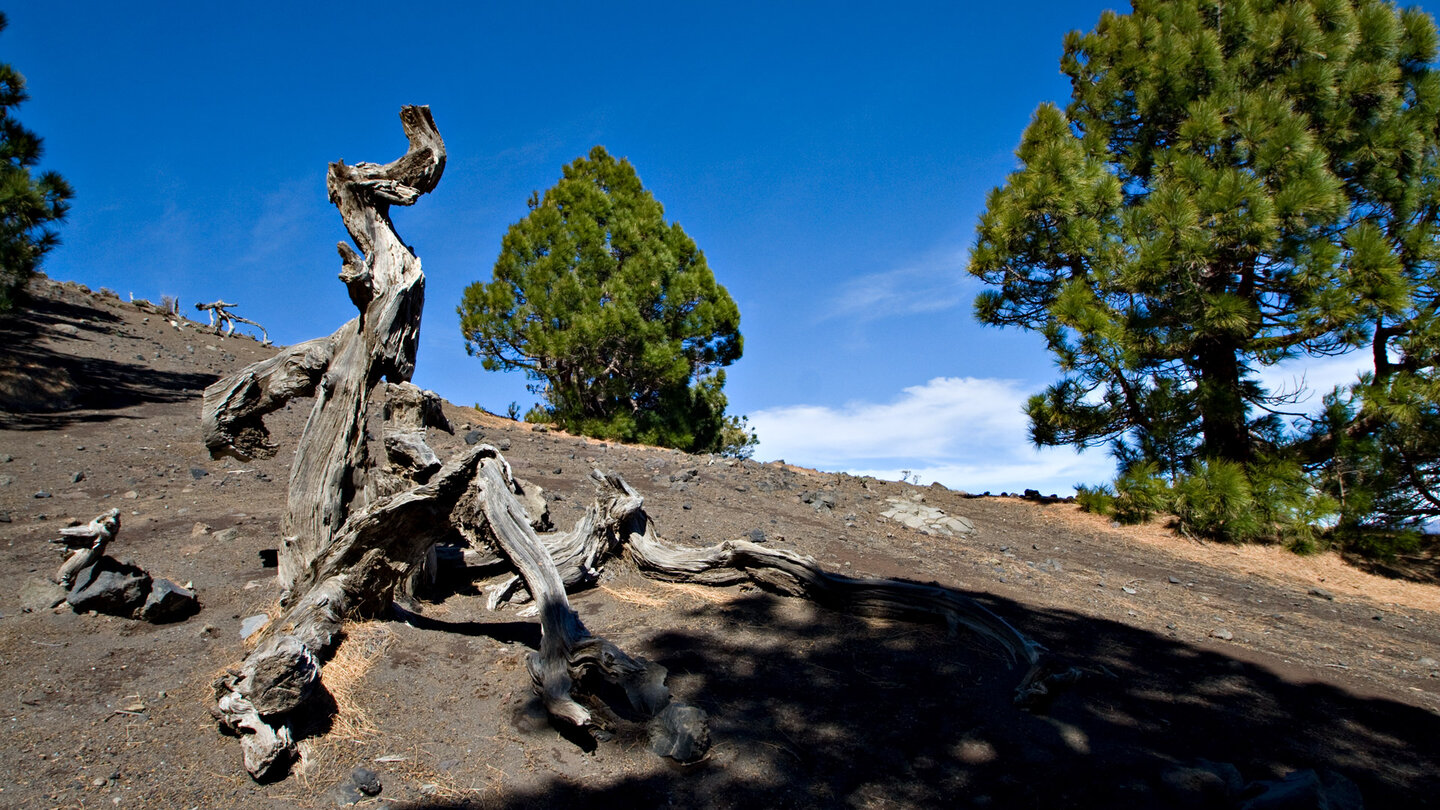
(1246, 656)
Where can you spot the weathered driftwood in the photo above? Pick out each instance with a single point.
(227, 319)
(360, 520)
(234, 408)
(88, 542)
(567, 650)
(351, 529)
(617, 518)
(354, 528)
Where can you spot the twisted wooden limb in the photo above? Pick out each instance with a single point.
(567, 650)
(232, 416)
(795, 574)
(88, 542)
(356, 576)
(228, 319)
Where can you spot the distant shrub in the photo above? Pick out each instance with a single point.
(1140, 492)
(1097, 500)
(1379, 544)
(1289, 507)
(1214, 502)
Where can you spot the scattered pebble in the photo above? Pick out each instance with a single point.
(1222, 634)
(253, 624)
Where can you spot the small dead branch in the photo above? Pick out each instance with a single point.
(222, 318)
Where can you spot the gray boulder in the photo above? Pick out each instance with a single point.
(168, 602)
(110, 586)
(1304, 790)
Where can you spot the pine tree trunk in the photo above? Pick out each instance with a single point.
(1224, 421)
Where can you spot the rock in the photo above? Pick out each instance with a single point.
(1428, 662)
(502, 445)
(681, 732)
(1204, 784)
(757, 535)
(253, 624)
(110, 586)
(42, 494)
(346, 794)
(685, 476)
(6, 480)
(473, 437)
(822, 501)
(40, 594)
(1174, 580)
(67, 329)
(910, 513)
(198, 472)
(227, 535)
(1323, 594)
(1222, 634)
(168, 602)
(366, 780)
(1303, 790)
(77, 477)
(199, 529)
(131, 495)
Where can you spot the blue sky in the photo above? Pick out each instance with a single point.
(830, 159)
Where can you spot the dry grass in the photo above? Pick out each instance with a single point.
(656, 599)
(364, 644)
(1270, 563)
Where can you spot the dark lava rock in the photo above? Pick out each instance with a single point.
(681, 732)
(366, 780)
(110, 586)
(168, 602)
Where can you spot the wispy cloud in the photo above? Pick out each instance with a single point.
(968, 433)
(932, 284)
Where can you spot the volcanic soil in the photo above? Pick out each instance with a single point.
(1246, 656)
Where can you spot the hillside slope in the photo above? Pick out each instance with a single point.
(1244, 656)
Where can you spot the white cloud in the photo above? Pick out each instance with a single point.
(934, 284)
(967, 433)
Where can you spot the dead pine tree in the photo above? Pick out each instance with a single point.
(363, 510)
(227, 320)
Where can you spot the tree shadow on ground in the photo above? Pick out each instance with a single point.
(44, 389)
(814, 709)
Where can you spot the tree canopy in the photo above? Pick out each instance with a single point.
(613, 312)
(27, 204)
(1233, 185)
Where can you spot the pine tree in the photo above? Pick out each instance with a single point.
(27, 204)
(613, 312)
(1232, 184)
